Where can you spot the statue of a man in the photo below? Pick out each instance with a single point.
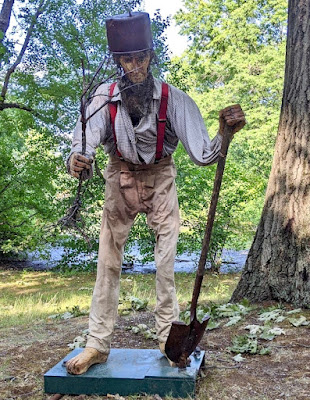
(140, 130)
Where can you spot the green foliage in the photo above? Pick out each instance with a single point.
(265, 332)
(271, 315)
(30, 165)
(132, 303)
(247, 344)
(195, 186)
(143, 330)
(73, 312)
(301, 321)
(236, 55)
(35, 190)
(79, 341)
(233, 311)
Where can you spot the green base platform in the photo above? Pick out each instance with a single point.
(127, 372)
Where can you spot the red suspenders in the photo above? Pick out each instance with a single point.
(161, 123)
(113, 112)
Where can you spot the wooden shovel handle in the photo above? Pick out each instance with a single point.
(227, 136)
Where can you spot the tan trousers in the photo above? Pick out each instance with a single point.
(131, 189)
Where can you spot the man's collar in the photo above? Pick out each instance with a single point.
(157, 89)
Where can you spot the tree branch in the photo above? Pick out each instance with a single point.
(11, 206)
(20, 224)
(5, 187)
(110, 97)
(3, 106)
(5, 16)
(21, 54)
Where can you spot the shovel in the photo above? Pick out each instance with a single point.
(183, 339)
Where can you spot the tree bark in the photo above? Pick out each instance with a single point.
(5, 16)
(278, 264)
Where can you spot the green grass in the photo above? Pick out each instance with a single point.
(27, 297)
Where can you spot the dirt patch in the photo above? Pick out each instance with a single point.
(27, 353)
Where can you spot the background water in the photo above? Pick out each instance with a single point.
(232, 261)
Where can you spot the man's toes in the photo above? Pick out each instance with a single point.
(70, 365)
(78, 368)
(73, 369)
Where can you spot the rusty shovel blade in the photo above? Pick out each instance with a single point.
(183, 339)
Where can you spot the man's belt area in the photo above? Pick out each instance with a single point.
(122, 165)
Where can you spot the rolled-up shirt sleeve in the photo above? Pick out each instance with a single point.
(188, 125)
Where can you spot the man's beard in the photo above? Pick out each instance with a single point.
(137, 97)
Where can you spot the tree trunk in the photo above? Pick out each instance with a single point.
(5, 16)
(278, 264)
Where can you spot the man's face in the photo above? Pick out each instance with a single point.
(135, 66)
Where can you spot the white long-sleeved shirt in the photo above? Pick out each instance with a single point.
(185, 123)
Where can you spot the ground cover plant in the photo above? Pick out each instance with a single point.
(253, 352)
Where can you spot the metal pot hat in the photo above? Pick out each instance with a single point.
(129, 33)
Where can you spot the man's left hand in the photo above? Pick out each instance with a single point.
(232, 116)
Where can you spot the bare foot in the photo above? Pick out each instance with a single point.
(162, 350)
(80, 363)
(182, 362)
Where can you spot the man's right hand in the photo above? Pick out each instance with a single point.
(79, 163)
(232, 116)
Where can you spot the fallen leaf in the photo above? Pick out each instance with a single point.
(295, 311)
(254, 329)
(238, 358)
(277, 331)
(212, 325)
(265, 351)
(270, 315)
(301, 321)
(67, 315)
(233, 320)
(281, 318)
